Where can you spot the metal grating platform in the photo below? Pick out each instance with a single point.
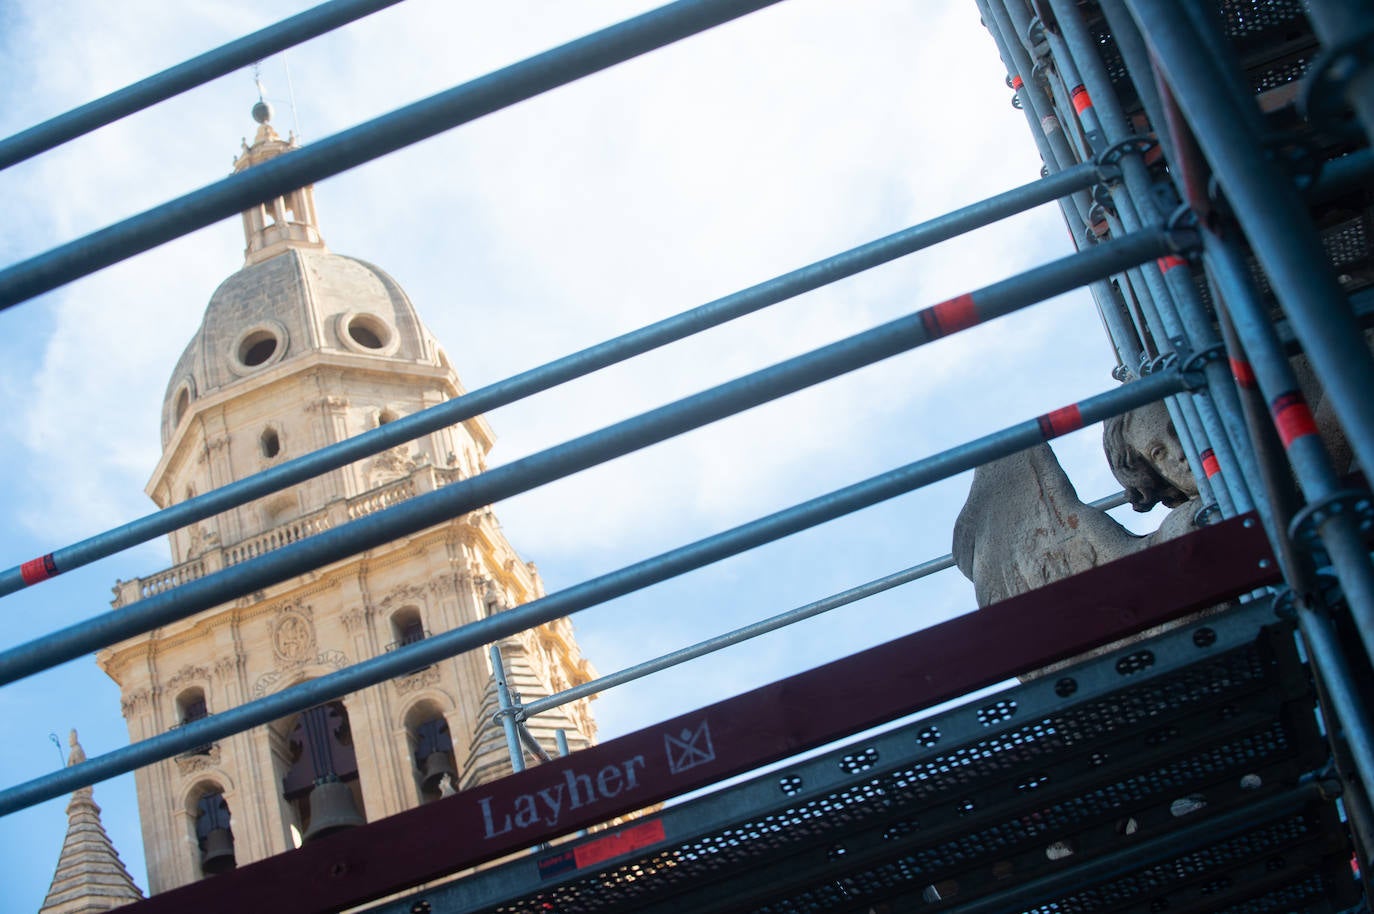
(1172, 776)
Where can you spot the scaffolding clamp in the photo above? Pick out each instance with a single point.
(1108, 161)
(1323, 98)
(1196, 361)
(1304, 529)
(1200, 519)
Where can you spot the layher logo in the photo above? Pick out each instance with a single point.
(574, 788)
(689, 748)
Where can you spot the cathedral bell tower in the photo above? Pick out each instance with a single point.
(299, 349)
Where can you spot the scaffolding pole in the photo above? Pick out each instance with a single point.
(597, 590)
(881, 342)
(551, 374)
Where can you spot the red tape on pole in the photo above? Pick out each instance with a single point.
(1292, 417)
(39, 569)
(1060, 422)
(1166, 264)
(1210, 465)
(1244, 374)
(951, 316)
(1016, 83)
(1081, 99)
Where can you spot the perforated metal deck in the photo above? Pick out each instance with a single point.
(1172, 776)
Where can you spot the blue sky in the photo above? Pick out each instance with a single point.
(790, 135)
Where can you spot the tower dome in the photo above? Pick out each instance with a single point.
(293, 298)
(299, 303)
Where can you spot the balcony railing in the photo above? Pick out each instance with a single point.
(424, 479)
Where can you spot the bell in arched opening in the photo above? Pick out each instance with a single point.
(214, 836)
(324, 765)
(331, 809)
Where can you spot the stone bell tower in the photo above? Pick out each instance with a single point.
(297, 350)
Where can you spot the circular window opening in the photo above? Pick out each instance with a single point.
(271, 443)
(364, 336)
(368, 333)
(257, 348)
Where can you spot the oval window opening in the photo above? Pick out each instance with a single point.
(257, 348)
(364, 336)
(271, 443)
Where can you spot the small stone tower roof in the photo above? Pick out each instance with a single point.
(90, 876)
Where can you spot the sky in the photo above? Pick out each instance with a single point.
(787, 136)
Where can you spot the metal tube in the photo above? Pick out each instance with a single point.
(508, 710)
(1338, 23)
(1273, 218)
(1338, 681)
(187, 75)
(597, 590)
(561, 736)
(1218, 406)
(1338, 530)
(1044, 127)
(549, 375)
(377, 137)
(530, 743)
(763, 627)
(616, 440)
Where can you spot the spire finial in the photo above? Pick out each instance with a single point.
(77, 754)
(262, 111)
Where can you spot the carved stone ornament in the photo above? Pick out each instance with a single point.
(417, 680)
(188, 674)
(327, 403)
(136, 702)
(293, 636)
(354, 619)
(406, 593)
(226, 667)
(190, 764)
(267, 682)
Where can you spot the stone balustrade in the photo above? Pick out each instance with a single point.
(424, 479)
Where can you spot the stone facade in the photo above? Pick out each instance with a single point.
(300, 349)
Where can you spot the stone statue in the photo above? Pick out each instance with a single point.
(1024, 526)
(77, 755)
(1146, 457)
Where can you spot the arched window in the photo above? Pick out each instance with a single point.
(214, 836)
(407, 627)
(321, 781)
(270, 443)
(191, 707)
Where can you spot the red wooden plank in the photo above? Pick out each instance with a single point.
(744, 732)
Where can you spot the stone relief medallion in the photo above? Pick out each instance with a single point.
(293, 637)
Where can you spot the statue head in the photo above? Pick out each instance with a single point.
(1147, 458)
